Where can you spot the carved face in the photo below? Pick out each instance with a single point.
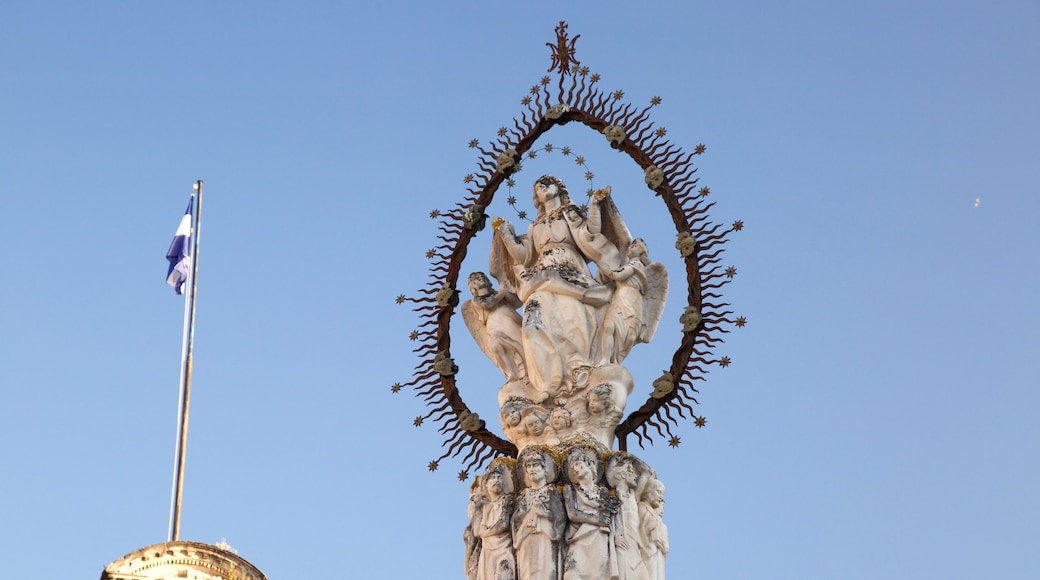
(655, 493)
(560, 419)
(535, 471)
(479, 286)
(477, 496)
(637, 249)
(535, 424)
(626, 474)
(494, 484)
(511, 416)
(546, 190)
(597, 404)
(580, 470)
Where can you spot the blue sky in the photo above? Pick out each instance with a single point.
(877, 420)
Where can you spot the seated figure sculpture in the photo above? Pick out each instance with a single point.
(576, 327)
(491, 318)
(549, 269)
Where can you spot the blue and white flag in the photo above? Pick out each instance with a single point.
(179, 253)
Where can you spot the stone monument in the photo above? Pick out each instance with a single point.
(563, 301)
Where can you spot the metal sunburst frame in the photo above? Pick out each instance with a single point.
(668, 172)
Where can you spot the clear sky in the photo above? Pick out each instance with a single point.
(879, 417)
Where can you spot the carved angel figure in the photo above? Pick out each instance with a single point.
(492, 319)
(549, 269)
(636, 306)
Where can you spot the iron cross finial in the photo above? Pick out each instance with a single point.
(563, 51)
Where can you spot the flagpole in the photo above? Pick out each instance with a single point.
(186, 367)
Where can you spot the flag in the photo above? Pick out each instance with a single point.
(179, 253)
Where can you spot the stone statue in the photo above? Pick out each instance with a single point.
(548, 267)
(493, 529)
(576, 327)
(575, 294)
(590, 553)
(477, 498)
(492, 319)
(652, 529)
(635, 308)
(539, 519)
(628, 486)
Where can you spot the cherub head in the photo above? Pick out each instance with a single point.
(685, 243)
(598, 399)
(560, 419)
(511, 414)
(534, 422)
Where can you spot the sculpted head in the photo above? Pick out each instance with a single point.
(497, 480)
(494, 483)
(638, 250)
(582, 466)
(621, 472)
(537, 467)
(550, 193)
(479, 285)
(511, 414)
(654, 494)
(613, 383)
(535, 423)
(477, 497)
(560, 419)
(598, 399)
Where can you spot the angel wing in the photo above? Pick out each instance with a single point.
(497, 332)
(476, 321)
(654, 298)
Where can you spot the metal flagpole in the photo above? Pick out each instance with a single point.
(186, 365)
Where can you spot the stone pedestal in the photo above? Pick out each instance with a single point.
(574, 511)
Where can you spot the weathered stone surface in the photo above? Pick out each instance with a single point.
(562, 353)
(581, 511)
(578, 512)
